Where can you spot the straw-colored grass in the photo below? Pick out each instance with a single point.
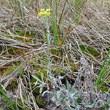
(57, 61)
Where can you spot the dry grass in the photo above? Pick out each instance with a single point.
(22, 43)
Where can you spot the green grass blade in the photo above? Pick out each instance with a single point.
(7, 99)
(103, 69)
(20, 71)
(27, 2)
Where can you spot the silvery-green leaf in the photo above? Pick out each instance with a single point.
(42, 77)
(90, 106)
(58, 94)
(41, 89)
(35, 77)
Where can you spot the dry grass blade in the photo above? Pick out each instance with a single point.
(64, 52)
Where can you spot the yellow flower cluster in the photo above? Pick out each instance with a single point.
(44, 12)
(67, 103)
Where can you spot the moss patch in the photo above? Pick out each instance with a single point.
(89, 50)
(12, 85)
(40, 102)
(103, 89)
